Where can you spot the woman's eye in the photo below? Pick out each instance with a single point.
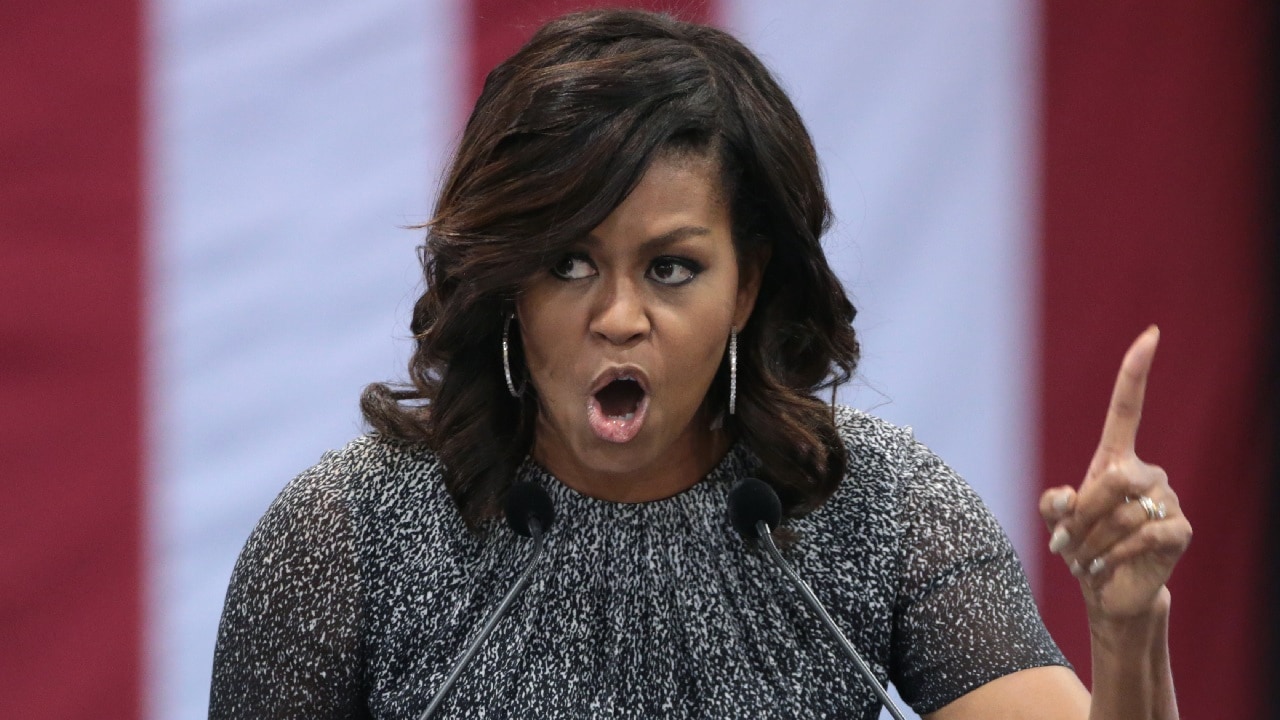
(573, 267)
(673, 271)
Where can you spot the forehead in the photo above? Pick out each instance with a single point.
(677, 190)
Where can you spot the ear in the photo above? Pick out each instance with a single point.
(750, 275)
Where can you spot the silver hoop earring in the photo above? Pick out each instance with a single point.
(506, 358)
(733, 370)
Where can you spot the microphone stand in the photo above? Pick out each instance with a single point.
(535, 529)
(762, 529)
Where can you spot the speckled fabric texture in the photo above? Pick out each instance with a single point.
(360, 587)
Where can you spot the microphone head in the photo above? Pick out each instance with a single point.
(751, 501)
(528, 502)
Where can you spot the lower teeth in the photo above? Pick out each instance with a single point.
(628, 416)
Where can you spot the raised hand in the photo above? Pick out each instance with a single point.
(1123, 531)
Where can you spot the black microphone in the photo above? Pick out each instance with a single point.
(529, 510)
(754, 510)
(530, 514)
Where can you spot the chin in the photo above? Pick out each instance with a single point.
(609, 458)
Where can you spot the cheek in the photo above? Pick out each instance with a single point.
(695, 350)
(548, 347)
(539, 351)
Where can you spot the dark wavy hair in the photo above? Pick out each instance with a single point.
(561, 133)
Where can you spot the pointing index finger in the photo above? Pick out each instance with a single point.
(1120, 431)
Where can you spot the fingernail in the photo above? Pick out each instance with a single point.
(1076, 569)
(1059, 540)
(1096, 566)
(1060, 503)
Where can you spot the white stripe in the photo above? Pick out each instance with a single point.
(923, 116)
(924, 119)
(291, 140)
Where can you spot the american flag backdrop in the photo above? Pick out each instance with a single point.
(203, 260)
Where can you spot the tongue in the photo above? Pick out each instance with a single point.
(620, 398)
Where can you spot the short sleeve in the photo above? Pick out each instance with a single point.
(964, 614)
(290, 637)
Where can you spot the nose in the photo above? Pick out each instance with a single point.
(620, 315)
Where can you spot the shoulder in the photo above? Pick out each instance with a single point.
(374, 458)
(880, 462)
(885, 457)
(373, 463)
(357, 512)
(935, 514)
(879, 449)
(874, 443)
(361, 480)
(894, 481)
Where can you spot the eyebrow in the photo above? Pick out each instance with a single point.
(657, 242)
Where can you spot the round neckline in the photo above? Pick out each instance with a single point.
(735, 463)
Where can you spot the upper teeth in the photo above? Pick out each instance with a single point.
(623, 378)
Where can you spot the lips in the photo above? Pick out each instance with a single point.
(618, 404)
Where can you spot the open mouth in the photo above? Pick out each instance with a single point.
(620, 399)
(616, 411)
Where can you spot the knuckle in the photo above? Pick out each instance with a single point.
(1114, 476)
(1125, 404)
(1175, 536)
(1125, 478)
(1151, 533)
(1139, 477)
(1158, 474)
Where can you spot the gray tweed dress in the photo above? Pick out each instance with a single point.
(360, 586)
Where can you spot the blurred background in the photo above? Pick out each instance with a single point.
(203, 260)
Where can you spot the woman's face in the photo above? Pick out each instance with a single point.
(623, 335)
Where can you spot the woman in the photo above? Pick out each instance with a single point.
(628, 305)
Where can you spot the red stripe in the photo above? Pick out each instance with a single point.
(69, 359)
(1152, 211)
(500, 27)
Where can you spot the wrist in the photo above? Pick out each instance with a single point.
(1133, 633)
(1131, 673)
